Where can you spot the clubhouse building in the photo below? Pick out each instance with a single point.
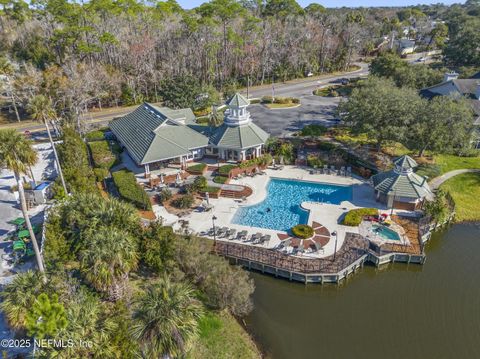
(155, 136)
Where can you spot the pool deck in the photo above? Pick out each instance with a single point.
(326, 214)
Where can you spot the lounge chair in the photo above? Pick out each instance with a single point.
(265, 238)
(222, 232)
(333, 170)
(255, 237)
(242, 236)
(231, 233)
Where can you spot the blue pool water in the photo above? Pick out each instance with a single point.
(281, 208)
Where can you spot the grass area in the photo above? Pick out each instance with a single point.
(221, 336)
(451, 162)
(465, 191)
(199, 167)
(211, 189)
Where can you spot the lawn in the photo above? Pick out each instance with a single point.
(450, 162)
(465, 191)
(221, 336)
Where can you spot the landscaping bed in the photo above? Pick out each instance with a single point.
(280, 102)
(221, 179)
(302, 231)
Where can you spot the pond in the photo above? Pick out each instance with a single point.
(396, 311)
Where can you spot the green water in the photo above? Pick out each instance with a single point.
(397, 311)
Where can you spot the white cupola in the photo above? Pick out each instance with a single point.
(237, 114)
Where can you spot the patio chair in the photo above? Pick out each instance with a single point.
(333, 170)
(223, 232)
(342, 171)
(265, 238)
(349, 171)
(231, 233)
(242, 236)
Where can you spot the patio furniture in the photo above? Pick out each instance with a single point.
(222, 232)
(255, 237)
(349, 171)
(325, 169)
(242, 236)
(231, 232)
(342, 171)
(23, 234)
(333, 170)
(265, 238)
(20, 221)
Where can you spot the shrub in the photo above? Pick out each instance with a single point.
(164, 195)
(102, 155)
(199, 167)
(267, 99)
(295, 100)
(200, 183)
(100, 174)
(302, 231)
(183, 202)
(355, 216)
(313, 130)
(95, 136)
(314, 161)
(158, 248)
(130, 190)
(225, 170)
(326, 146)
(255, 100)
(220, 179)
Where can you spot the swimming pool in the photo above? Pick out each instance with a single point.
(281, 208)
(385, 232)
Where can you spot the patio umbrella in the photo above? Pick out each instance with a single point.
(162, 180)
(273, 162)
(207, 197)
(179, 178)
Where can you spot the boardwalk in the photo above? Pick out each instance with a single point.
(354, 248)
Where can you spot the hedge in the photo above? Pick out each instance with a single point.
(183, 202)
(130, 190)
(102, 155)
(355, 216)
(95, 136)
(302, 231)
(313, 130)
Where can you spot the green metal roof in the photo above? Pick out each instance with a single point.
(150, 135)
(184, 115)
(401, 184)
(238, 100)
(405, 162)
(238, 137)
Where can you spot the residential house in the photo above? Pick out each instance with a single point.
(453, 86)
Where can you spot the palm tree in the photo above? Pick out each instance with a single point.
(18, 297)
(41, 109)
(17, 154)
(214, 119)
(7, 70)
(109, 255)
(166, 321)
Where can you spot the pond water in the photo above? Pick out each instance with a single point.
(396, 311)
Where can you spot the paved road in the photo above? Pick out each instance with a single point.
(297, 88)
(437, 182)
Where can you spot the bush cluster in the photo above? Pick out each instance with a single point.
(302, 231)
(199, 167)
(96, 135)
(355, 216)
(164, 195)
(102, 155)
(183, 202)
(130, 190)
(220, 179)
(280, 100)
(313, 130)
(314, 161)
(225, 170)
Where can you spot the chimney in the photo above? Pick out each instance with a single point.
(450, 76)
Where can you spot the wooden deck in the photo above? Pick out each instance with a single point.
(412, 231)
(353, 249)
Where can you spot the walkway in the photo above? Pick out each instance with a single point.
(438, 181)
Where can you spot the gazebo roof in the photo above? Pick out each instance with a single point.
(238, 137)
(405, 162)
(238, 100)
(402, 184)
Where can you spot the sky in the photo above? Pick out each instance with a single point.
(188, 4)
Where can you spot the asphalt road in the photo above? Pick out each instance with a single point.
(313, 109)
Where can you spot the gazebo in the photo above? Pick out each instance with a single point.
(401, 187)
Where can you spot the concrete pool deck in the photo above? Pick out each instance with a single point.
(326, 214)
